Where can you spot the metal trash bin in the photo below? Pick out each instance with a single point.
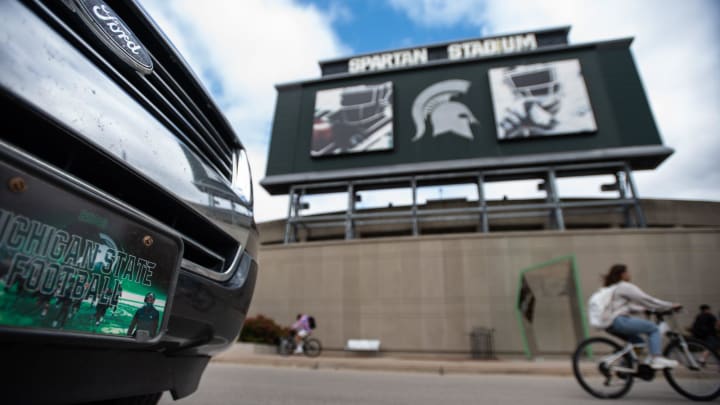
(482, 343)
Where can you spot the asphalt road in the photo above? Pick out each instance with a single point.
(259, 385)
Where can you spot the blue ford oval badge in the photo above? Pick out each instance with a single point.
(115, 34)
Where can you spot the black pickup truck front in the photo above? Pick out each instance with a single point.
(127, 238)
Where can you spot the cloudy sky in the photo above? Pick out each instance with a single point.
(241, 49)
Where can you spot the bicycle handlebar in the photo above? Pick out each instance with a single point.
(663, 312)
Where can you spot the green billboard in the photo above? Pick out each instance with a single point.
(545, 106)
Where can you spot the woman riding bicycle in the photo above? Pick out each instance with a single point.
(302, 329)
(628, 299)
(299, 340)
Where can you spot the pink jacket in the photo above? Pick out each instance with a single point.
(302, 324)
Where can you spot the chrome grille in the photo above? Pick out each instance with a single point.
(185, 109)
(171, 91)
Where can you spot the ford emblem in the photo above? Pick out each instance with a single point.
(115, 34)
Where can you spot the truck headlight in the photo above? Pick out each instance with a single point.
(241, 177)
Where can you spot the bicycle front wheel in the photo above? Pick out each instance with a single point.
(286, 346)
(312, 347)
(698, 374)
(600, 370)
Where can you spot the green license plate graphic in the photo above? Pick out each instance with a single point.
(73, 263)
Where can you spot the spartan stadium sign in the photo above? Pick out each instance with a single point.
(461, 50)
(470, 49)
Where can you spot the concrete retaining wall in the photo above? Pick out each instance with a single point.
(426, 294)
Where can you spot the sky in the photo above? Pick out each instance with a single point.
(241, 49)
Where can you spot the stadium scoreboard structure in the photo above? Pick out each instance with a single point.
(524, 100)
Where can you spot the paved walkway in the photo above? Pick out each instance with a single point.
(259, 355)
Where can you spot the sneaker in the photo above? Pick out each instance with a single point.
(660, 362)
(298, 350)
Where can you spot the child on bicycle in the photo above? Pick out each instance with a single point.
(302, 328)
(628, 299)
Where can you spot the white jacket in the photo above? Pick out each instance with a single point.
(629, 299)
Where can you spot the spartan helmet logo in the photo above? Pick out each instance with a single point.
(446, 116)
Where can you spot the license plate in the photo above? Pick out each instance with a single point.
(75, 262)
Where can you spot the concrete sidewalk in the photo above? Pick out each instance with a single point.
(242, 353)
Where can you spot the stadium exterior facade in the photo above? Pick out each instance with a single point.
(426, 294)
(426, 276)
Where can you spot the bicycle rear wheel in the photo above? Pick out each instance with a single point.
(700, 383)
(596, 368)
(312, 347)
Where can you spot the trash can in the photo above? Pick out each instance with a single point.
(481, 343)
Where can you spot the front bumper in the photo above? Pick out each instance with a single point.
(205, 317)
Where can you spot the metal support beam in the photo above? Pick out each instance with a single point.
(349, 226)
(413, 184)
(289, 225)
(622, 190)
(639, 215)
(482, 204)
(555, 199)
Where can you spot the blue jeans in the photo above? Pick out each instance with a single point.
(633, 327)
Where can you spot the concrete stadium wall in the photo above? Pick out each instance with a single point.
(426, 294)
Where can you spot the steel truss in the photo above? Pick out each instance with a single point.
(627, 202)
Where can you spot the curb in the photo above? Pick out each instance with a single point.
(242, 354)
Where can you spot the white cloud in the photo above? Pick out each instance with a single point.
(241, 50)
(675, 49)
(439, 13)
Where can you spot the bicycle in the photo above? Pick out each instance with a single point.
(606, 369)
(311, 346)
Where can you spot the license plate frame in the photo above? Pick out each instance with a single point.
(70, 254)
